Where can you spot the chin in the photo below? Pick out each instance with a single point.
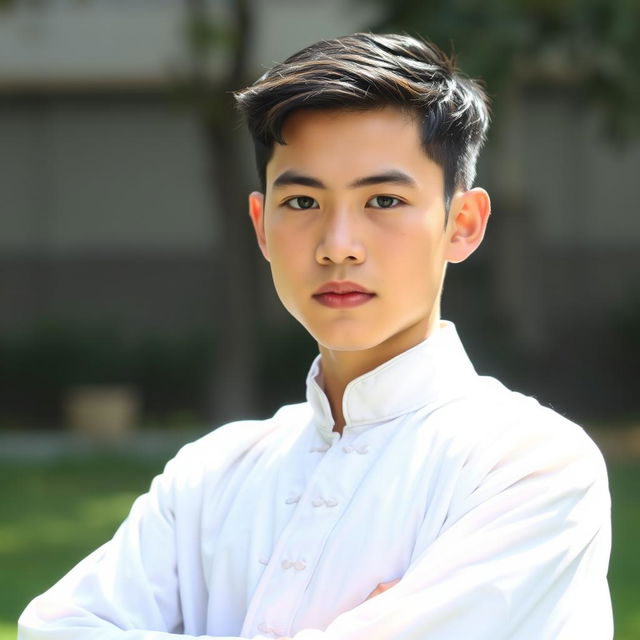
(344, 346)
(345, 341)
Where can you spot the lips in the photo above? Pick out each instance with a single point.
(341, 288)
(342, 295)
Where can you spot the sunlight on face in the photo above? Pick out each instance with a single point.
(353, 226)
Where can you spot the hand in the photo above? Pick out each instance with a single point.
(382, 587)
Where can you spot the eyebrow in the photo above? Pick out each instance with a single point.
(289, 178)
(395, 177)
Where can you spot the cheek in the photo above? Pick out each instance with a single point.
(283, 251)
(414, 273)
(415, 253)
(286, 256)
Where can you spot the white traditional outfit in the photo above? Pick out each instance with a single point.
(492, 511)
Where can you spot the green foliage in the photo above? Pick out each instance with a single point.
(172, 373)
(589, 45)
(284, 360)
(39, 365)
(626, 323)
(206, 37)
(65, 353)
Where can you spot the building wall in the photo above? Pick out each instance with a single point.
(574, 231)
(89, 179)
(107, 214)
(102, 173)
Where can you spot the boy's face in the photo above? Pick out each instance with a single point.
(353, 224)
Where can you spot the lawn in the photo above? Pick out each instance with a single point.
(53, 514)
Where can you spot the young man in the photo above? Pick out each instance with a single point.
(408, 498)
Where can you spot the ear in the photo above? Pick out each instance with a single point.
(468, 216)
(256, 213)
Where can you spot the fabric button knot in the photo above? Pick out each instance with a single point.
(319, 449)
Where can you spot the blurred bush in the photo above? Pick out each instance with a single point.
(39, 366)
(172, 374)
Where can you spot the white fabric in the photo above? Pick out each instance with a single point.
(493, 511)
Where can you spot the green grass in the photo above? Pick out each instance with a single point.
(52, 515)
(624, 570)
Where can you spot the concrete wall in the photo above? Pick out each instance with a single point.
(106, 211)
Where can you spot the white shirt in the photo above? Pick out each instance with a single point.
(493, 511)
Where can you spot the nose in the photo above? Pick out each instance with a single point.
(340, 240)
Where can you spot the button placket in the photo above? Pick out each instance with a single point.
(362, 449)
(300, 545)
(320, 449)
(324, 502)
(298, 565)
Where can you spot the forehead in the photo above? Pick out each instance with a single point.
(341, 145)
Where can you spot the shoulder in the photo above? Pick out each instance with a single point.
(234, 445)
(515, 444)
(500, 420)
(517, 423)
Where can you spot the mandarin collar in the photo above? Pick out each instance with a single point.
(431, 373)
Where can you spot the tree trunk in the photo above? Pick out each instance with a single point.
(236, 295)
(232, 391)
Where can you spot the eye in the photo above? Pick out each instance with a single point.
(301, 202)
(384, 202)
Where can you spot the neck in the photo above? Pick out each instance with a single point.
(339, 368)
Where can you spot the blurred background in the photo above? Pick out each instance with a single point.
(136, 312)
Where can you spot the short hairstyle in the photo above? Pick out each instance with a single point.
(368, 71)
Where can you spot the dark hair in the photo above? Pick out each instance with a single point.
(368, 71)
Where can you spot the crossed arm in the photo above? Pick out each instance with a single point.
(381, 588)
(523, 557)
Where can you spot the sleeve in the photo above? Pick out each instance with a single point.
(128, 588)
(522, 556)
